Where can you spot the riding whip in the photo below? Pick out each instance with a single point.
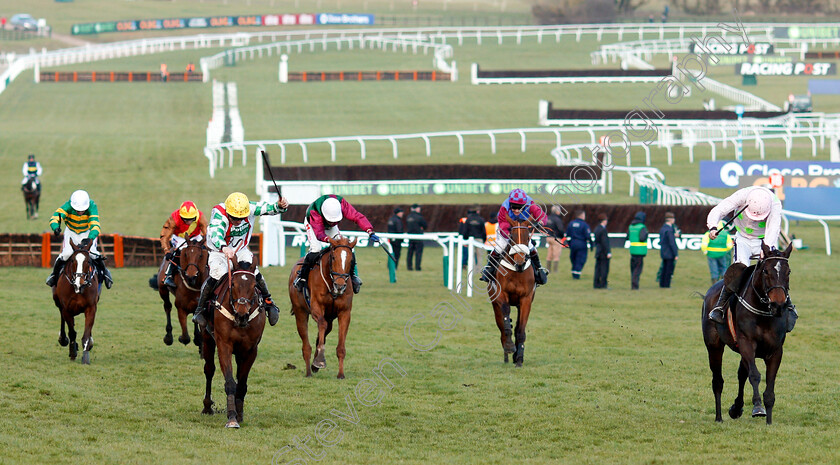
(268, 167)
(726, 225)
(382, 244)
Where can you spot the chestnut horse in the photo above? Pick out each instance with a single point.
(236, 329)
(77, 291)
(330, 299)
(758, 323)
(31, 197)
(192, 272)
(514, 285)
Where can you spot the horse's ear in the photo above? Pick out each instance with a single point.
(765, 249)
(253, 266)
(352, 243)
(332, 241)
(788, 250)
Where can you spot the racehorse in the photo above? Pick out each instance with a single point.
(514, 285)
(31, 197)
(192, 272)
(236, 329)
(755, 327)
(329, 299)
(77, 291)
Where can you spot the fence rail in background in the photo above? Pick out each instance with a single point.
(321, 76)
(115, 76)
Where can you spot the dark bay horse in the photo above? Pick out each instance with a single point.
(236, 329)
(755, 328)
(330, 299)
(31, 197)
(77, 291)
(191, 273)
(514, 285)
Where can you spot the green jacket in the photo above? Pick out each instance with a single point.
(637, 235)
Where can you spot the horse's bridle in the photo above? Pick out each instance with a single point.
(512, 246)
(85, 277)
(181, 270)
(253, 310)
(334, 291)
(765, 298)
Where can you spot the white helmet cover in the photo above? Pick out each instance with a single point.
(759, 203)
(331, 209)
(80, 200)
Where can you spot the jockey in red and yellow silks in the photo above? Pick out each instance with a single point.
(185, 223)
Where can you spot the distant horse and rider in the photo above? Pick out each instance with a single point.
(30, 185)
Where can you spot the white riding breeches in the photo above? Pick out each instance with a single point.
(744, 248)
(219, 264)
(67, 249)
(314, 244)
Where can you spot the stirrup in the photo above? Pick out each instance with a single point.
(51, 279)
(300, 283)
(198, 317)
(485, 274)
(718, 315)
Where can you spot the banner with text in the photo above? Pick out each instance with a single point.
(786, 69)
(297, 19)
(727, 173)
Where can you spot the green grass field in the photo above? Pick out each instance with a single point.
(609, 377)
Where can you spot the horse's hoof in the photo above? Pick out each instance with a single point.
(167, 339)
(506, 358)
(519, 364)
(63, 341)
(314, 368)
(183, 339)
(232, 424)
(718, 420)
(735, 413)
(308, 375)
(74, 350)
(86, 357)
(340, 376)
(509, 348)
(207, 411)
(759, 412)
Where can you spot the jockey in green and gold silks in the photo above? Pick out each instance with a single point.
(81, 221)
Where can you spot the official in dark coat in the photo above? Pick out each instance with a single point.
(395, 226)
(415, 224)
(668, 250)
(580, 236)
(472, 227)
(603, 253)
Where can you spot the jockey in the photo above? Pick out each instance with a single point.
(759, 222)
(518, 206)
(231, 226)
(81, 218)
(31, 169)
(321, 222)
(183, 224)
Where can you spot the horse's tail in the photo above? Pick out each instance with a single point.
(697, 294)
(153, 282)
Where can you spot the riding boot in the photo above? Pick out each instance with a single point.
(206, 289)
(488, 273)
(170, 276)
(716, 314)
(305, 268)
(270, 309)
(540, 273)
(104, 274)
(354, 277)
(59, 264)
(792, 315)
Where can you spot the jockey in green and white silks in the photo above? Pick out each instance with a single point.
(81, 223)
(759, 222)
(31, 169)
(229, 233)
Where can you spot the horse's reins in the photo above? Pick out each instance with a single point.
(240, 301)
(765, 300)
(181, 271)
(87, 278)
(333, 274)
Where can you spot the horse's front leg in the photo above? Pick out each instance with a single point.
(715, 361)
(501, 311)
(208, 351)
(320, 361)
(748, 357)
(62, 336)
(302, 322)
(773, 363)
(340, 352)
(87, 336)
(521, 323)
(226, 364)
(737, 408)
(71, 332)
(167, 307)
(184, 338)
(244, 362)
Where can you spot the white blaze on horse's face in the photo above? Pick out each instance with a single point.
(77, 281)
(343, 258)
